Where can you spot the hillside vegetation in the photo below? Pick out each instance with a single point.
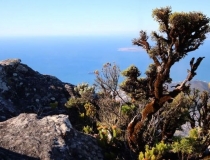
(143, 124)
(141, 118)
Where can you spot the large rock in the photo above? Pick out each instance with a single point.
(52, 137)
(23, 90)
(46, 134)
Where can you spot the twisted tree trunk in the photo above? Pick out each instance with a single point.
(134, 129)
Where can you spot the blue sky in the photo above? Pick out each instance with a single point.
(85, 17)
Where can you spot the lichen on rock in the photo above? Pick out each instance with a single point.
(28, 91)
(51, 137)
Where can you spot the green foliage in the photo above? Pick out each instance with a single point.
(184, 147)
(194, 133)
(84, 106)
(74, 102)
(151, 70)
(134, 86)
(127, 109)
(84, 89)
(108, 135)
(183, 20)
(87, 129)
(84, 101)
(82, 115)
(131, 72)
(161, 14)
(107, 138)
(191, 145)
(155, 153)
(90, 109)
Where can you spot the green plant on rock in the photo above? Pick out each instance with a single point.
(108, 135)
(83, 105)
(103, 135)
(84, 94)
(74, 102)
(82, 116)
(83, 100)
(85, 91)
(87, 129)
(54, 104)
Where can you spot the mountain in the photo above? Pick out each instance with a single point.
(200, 85)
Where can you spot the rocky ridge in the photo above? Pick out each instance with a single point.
(23, 90)
(34, 122)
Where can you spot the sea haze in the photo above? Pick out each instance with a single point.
(73, 59)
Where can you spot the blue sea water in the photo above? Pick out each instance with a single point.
(72, 59)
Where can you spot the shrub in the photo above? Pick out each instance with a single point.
(87, 129)
(155, 153)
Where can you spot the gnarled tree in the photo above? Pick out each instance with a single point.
(179, 34)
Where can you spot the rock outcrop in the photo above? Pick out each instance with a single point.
(52, 137)
(23, 90)
(34, 122)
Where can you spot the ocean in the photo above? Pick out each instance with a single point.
(73, 59)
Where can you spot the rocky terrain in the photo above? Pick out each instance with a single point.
(51, 137)
(23, 90)
(34, 122)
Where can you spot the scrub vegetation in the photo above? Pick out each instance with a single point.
(141, 117)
